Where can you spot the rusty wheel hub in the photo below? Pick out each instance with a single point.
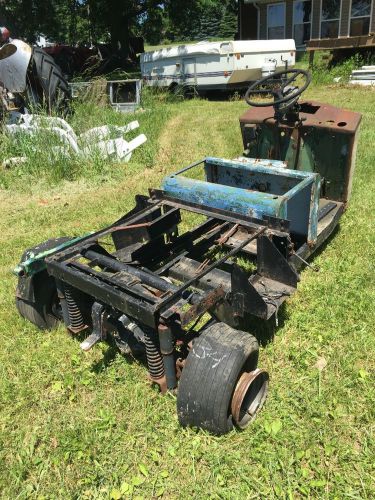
(249, 396)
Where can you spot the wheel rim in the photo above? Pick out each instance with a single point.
(249, 396)
(55, 309)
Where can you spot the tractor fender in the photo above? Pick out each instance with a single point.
(14, 60)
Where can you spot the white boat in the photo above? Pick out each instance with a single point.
(216, 65)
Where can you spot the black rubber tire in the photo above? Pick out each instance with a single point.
(46, 85)
(215, 363)
(42, 311)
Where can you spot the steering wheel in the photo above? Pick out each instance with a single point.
(280, 91)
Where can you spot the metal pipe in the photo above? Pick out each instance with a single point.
(147, 277)
(166, 341)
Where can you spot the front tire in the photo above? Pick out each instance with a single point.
(42, 306)
(213, 369)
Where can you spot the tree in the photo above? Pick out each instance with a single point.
(120, 19)
(60, 20)
(229, 21)
(154, 24)
(115, 21)
(201, 19)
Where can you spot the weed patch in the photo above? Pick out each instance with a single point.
(88, 425)
(46, 165)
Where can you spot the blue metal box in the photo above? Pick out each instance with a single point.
(255, 188)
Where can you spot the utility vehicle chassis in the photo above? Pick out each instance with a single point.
(183, 293)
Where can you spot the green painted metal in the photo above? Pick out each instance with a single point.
(36, 262)
(325, 153)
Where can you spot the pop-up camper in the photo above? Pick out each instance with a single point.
(216, 65)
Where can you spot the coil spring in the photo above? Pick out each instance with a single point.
(75, 316)
(154, 358)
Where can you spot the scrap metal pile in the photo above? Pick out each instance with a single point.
(31, 79)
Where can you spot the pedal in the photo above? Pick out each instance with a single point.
(91, 340)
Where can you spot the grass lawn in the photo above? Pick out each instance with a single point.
(88, 425)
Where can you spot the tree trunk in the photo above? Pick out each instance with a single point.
(119, 27)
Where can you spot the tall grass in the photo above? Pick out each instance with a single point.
(46, 166)
(326, 73)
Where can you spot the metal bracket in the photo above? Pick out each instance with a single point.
(272, 264)
(99, 333)
(210, 300)
(245, 297)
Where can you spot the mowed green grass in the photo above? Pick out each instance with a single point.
(88, 425)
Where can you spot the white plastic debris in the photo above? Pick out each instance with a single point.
(97, 139)
(118, 147)
(13, 162)
(364, 76)
(100, 133)
(64, 135)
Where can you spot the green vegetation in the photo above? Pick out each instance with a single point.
(44, 166)
(326, 73)
(115, 21)
(88, 425)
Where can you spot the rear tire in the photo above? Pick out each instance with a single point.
(44, 309)
(46, 85)
(213, 367)
(41, 311)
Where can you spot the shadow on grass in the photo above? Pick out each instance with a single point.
(133, 356)
(265, 330)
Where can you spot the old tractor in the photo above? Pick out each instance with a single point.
(29, 79)
(180, 279)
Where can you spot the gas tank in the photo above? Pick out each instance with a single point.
(14, 61)
(269, 67)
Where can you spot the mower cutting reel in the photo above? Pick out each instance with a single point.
(184, 296)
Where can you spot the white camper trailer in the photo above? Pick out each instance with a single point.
(216, 65)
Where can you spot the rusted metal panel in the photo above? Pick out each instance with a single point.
(328, 138)
(313, 114)
(209, 301)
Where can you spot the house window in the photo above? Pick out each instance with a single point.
(276, 21)
(329, 26)
(360, 17)
(302, 22)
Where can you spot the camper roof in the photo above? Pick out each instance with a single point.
(207, 48)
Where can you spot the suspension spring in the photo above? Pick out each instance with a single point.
(76, 321)
(154, 357)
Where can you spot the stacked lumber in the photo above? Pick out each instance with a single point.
(363, 76)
